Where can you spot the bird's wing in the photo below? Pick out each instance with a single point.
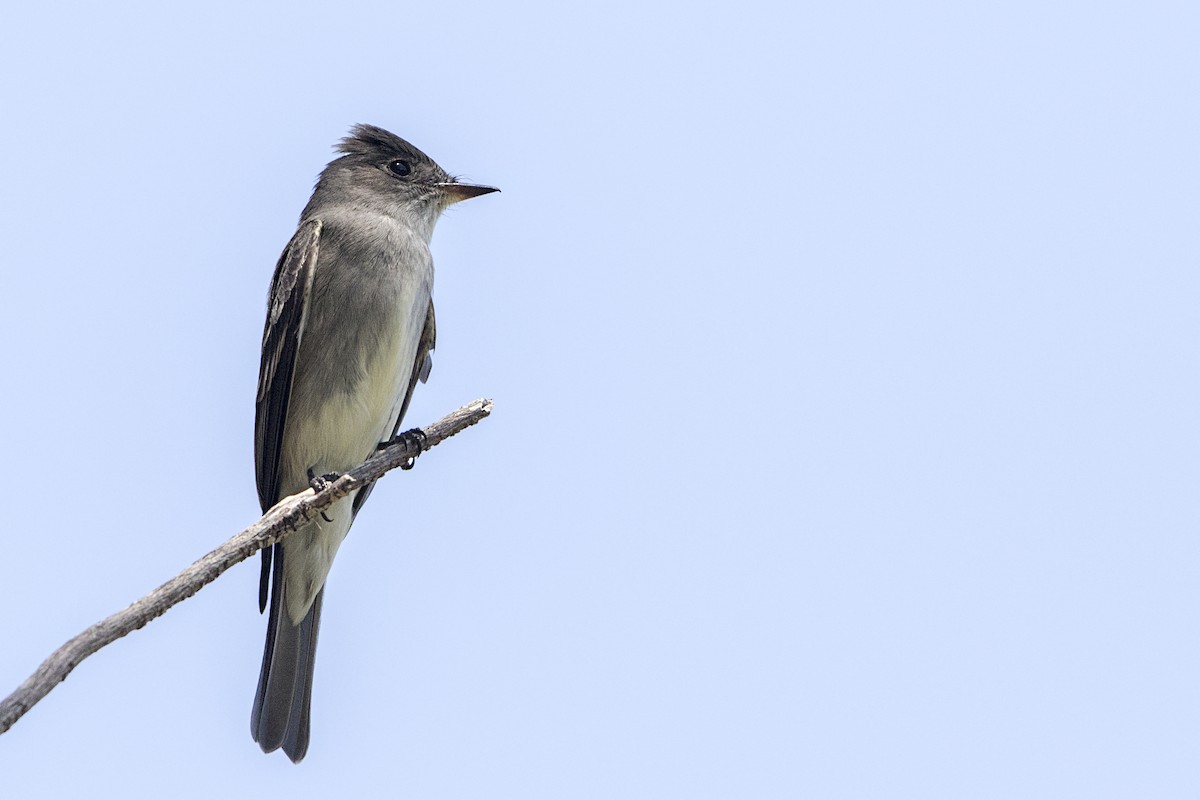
(422, 366)
(287, 311)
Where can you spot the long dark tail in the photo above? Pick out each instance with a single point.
(281, 705)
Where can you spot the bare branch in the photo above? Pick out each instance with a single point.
(286, 516)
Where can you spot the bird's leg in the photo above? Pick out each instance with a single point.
(321, 482)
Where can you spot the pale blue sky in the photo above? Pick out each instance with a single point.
(846, 386)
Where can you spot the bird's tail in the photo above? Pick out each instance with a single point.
(281, 705)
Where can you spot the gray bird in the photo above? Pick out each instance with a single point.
(349, 332)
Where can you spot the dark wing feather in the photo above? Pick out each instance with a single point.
(286, 311)
(422, 366)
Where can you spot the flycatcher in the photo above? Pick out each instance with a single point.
(349, 332)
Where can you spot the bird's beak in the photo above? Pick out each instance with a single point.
(456, 192)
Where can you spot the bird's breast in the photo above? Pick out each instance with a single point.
(356, 355)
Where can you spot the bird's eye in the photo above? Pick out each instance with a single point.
(399, 168)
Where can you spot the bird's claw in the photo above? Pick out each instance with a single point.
(413, 439)
(320, 483)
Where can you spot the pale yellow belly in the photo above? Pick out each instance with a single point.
(338, 437)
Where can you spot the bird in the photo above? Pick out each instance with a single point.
(349, 333)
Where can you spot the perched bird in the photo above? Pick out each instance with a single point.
(349, 332)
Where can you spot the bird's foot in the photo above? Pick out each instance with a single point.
(320, 483)
(414, 439)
